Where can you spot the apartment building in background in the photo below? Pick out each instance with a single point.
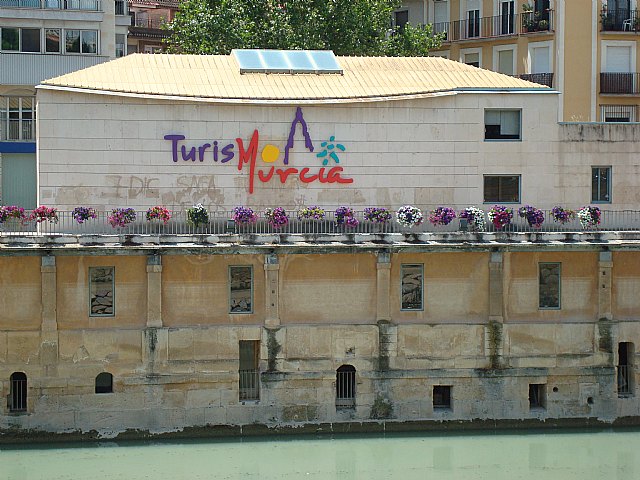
(585, 49)
(147, 17)
(41, 39)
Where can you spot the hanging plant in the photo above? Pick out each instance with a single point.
(500, 216)
(442, 216)
(82, 214)
(534, 216)
(409, 216)
(277, 217)
(197, 215)
(346, 216)
(589, 216)
(121, 217)
(475, 218)
(243, 215)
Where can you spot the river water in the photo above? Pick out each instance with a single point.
(584, 455)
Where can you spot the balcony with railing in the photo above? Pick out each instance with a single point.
(541, 78)
(17, 130)
(620, 83)
(496, 26)
(147, 21)
(89, 5)
(619, 20)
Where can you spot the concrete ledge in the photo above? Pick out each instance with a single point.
(19, 436)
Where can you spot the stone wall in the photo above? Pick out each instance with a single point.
(173, 350)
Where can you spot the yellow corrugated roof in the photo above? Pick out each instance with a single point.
(217, 77)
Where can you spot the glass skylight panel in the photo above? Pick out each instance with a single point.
(286, 61)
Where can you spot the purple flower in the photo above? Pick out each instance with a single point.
(534, 216)
(442, 216)
(243, 215)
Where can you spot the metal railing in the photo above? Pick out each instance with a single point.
(496, 26)
(618, 113)
(623, 83)
(346, 389)
(89, 5)
(17, 130)
(18, 395)
(541, 78)
(147, 21)
(220, 224)
(624, 380)
(249, 384)
(619, 20)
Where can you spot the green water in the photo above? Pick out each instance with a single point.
(584, 455)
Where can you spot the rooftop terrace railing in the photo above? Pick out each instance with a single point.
(89, 5)
(220, 223)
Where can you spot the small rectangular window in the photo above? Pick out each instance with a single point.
(412, 287)
(121, 41)
(502, 188)
(549, 285)
(102, 291)
(10, 39)
(601, 184)
(249, 375)
(52, 40)
(400, 19)
(625, 374)
(72, 41)
(30, 39)
(537, 396)
(502, 124)
(441, 397)
(241, 289)
(472, 59)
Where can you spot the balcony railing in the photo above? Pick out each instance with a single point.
(220, 224)
(147, 22)
(17, 130)
(541, 78)
(500, 25)
(619, 20)
(624, 381)
(621, 83)
(249, 385)
(90, 5)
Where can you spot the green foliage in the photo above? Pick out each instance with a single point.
(348, 27)
(495, 340)
(382, 408)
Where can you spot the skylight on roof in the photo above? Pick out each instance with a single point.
(286, 61)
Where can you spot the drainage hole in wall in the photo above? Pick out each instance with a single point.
(590, 400)
(555, 389)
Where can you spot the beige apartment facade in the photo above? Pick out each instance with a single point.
(108, 332)
(587, 50)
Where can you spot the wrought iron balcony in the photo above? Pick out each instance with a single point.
(541, 78)
(497, 26)
(619, 20)
(620, 83)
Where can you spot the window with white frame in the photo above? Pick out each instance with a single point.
(53, 40)
(441, 16)
(504, 59)
(618, 113)
(473, 18)
(502, 125)
(471, 56)
(17, 118)
(121, 43)
(81, 41)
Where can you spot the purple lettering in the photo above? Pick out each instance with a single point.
(305, 133)
(215, 151)
(188, 156)
(227, 151)
(174, 144)
(201, 151)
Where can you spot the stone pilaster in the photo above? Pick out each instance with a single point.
(49, 320)
(496, 288)
(383, 286)
(154, 291)
(605, 266)
(272, 287)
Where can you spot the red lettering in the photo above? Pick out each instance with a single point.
(305, 179)
(334, 176)
(265, 178)
(284, 174)
(248, 156)
(321, 177)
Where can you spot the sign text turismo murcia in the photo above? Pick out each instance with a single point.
(270, 153)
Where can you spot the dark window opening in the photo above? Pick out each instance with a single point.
(31, 40)
(441, 397)
(502, 125)
(400, 19)
(18, 392)
(104, 383)
(502, 188)
(249, 373)
(625, 369)
(537, 396)
(601, 184)
(549, 285)
(346, 387)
